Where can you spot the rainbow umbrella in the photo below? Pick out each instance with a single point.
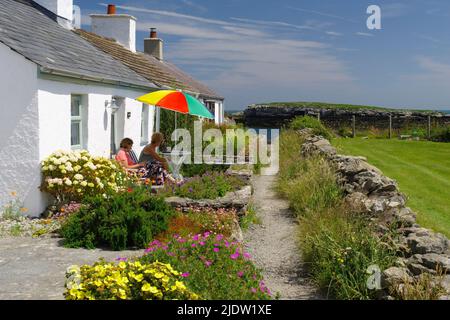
(176, 101)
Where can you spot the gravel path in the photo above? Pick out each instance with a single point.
(273, 244)
(34, 269)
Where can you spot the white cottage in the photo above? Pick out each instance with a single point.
(60, 90)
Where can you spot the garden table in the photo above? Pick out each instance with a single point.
(175, 159)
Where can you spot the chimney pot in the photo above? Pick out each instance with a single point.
(111, 9)
(153, 33)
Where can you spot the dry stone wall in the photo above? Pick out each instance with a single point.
(367, 190)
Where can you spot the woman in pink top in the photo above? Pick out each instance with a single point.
(123, 156)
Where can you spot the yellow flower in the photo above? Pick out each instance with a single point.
(24, 210)
(122, 294)
(159, 275)
(13, 193)
(98, 283)
(148, 288)
(122, 265)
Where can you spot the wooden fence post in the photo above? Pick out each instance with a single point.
(354, 126)
(390, 126)
(429, 128)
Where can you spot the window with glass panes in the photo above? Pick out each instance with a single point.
(76, 127)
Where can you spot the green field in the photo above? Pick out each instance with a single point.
(421, 168)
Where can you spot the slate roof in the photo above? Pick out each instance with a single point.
(33, 31)
(159, 72)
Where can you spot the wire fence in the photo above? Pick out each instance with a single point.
(388, 126)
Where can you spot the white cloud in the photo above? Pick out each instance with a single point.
(323, 14)
(246, 59)
(364, 34)
(333, 33)
(194, 5)
(272, 23)
(172, 14)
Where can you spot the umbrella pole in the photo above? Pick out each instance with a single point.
(176, 116)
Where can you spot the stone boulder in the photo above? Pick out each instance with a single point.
(394, 276)
(425, 241)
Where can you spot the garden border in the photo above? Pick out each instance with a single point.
(367, 190)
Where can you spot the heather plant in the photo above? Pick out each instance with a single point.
(126, 280)
(211, 185)
(212, 266)
(72, 175)
(118, 220)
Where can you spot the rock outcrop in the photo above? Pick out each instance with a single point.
(270, 116)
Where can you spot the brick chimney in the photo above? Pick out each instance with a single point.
(63, 8)
(153, 45)
(120, 27)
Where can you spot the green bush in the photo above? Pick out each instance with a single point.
(191, 170)
(318, 128)
(212, 267)
(441, 134)
(118, 221)
(211, 185)
(338, 245)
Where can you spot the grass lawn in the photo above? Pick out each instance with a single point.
(421, 168)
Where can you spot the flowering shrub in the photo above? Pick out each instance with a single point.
(200, 220)
(212, 266)
(74, 174)
(126, 280)
(211, 185)
(118, 221)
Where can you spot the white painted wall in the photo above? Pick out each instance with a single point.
(19, 135)
(121, 27)
(35, 122)
(54, 103)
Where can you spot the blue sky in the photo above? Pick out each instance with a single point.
(289, 50)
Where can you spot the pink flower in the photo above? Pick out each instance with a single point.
(227, 244)
(216, 249)
(185, 275)
(208, 263)
(181, 240)
(171, 254)
(196, 237)
(253, 290)
(151, 249)
(240, 274)
(247, 255)
(235, 255)
(202, 243)
(193, 245)
(219, 237)
(206, 234)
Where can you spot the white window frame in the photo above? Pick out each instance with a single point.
(77, 119)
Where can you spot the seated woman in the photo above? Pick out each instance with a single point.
(124, 157)
(156, 165)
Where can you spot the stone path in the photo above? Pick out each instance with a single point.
(35, 268)
(273, 244)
